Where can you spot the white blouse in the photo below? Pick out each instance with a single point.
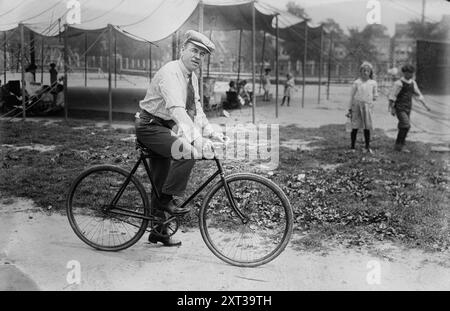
(365, 91)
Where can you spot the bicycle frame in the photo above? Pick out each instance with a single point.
(143, 158)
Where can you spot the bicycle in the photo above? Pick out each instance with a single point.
(245, 219)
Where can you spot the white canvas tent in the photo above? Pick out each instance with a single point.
(145, 20)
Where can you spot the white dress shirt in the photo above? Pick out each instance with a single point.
(398, 86)
(166, 99)
(364, 91)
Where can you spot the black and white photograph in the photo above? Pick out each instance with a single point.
(224, 151)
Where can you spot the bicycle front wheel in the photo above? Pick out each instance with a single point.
(258, 232)
(99, 221)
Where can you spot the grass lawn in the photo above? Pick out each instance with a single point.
(338, 197)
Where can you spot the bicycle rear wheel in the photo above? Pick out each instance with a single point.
(263, 233)
(95, 220)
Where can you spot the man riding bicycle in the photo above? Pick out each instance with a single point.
(171, 115)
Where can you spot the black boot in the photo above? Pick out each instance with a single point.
(154, 238)
(159, 213)
(401, 137)
(166, 241)
(367, 140)
(353, 138)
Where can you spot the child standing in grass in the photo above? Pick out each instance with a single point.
(364, 92)
(288, 89)
(400, 103)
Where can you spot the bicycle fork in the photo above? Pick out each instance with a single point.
(229, 194)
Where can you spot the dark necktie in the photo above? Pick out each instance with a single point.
(190, 99)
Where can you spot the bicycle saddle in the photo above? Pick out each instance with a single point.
(147, 151)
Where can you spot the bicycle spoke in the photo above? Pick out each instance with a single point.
(88, 206)
(262, 237)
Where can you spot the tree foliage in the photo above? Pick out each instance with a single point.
(331, 26)
(359, 44)
(295, 49)
(296, 10)
(427, 30)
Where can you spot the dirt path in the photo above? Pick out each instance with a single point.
(42, 252)
(428, 127)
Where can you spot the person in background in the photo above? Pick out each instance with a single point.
(364, 93)
(232, 86)
(244, 93)
(266, 84)
(53, 75)
(53, 82)
(288, 89)
(400, 104)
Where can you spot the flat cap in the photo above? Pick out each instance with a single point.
(199, 40)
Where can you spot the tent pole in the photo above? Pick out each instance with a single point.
(22, 64)
(4, 57)
(305, 52)
(42, 60)
(85, 59)
(150, 61)
(32, 51)
(262, 61)
(109, 73)
(239, 58)
(66, 99)
(174, 46)
(209, 56)
(115, 60)
(320, 63)
(329, 65)
(200, 29)
(277, 73)
(253, 61)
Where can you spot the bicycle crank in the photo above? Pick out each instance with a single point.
(165, 228)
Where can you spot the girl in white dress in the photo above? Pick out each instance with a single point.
(363, 94)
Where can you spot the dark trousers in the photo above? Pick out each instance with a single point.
(404, 125)
(403, 118)
(170, 176)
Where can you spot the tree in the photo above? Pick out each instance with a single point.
(295, 48)
(374, 31)
(427, 30)
(330, 25)
(296, 10)
(359, 46)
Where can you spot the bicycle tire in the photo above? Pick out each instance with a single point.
(227, 226)
(88, 194)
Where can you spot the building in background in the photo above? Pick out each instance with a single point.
(403, 45)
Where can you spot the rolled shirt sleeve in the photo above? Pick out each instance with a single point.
(202, 121)
(185, 124)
